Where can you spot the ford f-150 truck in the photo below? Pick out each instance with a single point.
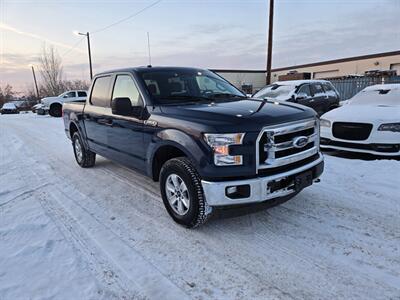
(207, 144)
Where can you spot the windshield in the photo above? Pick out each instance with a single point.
(187, 86)
(389, 97)
(276, 91)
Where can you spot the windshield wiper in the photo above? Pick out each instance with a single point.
(226, 95)
(185, 99)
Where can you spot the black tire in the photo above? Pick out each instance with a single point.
(87, 158)
(198, 211)
(55, 110)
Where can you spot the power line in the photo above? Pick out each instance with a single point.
(72, 48)
(126, 18)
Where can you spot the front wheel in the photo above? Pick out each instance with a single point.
(55, 110)
(84, 157)
(182, 193)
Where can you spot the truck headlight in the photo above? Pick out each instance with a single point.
(324, 123)
(394, 127)
(220, 143)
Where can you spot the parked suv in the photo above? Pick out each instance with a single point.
(54, 104)
(320, 95)
(207, 144)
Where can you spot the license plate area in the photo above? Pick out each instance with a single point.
(303, 180)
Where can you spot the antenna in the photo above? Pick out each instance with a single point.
(148, 45)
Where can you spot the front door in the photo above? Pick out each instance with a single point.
(125, 138)
(305, 96)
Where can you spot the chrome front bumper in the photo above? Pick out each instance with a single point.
(215, 192)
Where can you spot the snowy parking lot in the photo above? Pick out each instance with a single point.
(103, 233)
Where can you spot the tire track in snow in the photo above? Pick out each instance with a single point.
(217, 239)
(106, 252)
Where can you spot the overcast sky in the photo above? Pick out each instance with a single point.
(202, 33)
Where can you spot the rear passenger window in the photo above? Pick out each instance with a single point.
(81, 94)
(125, 87)
(318, 90)
(329, 89)
(100, 92)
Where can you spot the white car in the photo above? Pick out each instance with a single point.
(54, 104)
(368, 123)
(9, 108)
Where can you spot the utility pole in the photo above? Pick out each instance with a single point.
(270, 32)
(34, 80)
(89, 52)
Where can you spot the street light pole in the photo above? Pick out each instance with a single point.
(270, 32)
(90, 56)
(89, 51)
(34, 80)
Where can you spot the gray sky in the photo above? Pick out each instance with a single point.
(210, 34)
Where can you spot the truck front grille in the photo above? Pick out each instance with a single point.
(351, 131)
(280, 145)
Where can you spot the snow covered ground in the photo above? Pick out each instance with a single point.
(103, 233)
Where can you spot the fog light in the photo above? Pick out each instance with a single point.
(231, 190)
(238, 191)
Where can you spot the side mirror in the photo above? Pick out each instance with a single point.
(301, 96)
(123, 107)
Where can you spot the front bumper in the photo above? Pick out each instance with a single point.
(382, 149)
(216, 192)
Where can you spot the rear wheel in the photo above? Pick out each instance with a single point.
(182, 193)
(55, 110)
(84, 157)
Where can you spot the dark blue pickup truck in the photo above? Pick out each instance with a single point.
(207, 144)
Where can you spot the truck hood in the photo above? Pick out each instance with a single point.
(247, 114)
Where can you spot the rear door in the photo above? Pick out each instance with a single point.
(319, 99)
(125, 139)
(97, 115)
(332, 96)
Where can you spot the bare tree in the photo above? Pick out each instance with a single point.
(6, 94)
(75, 84)
(51, 71)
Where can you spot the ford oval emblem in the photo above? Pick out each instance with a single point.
(300, 141)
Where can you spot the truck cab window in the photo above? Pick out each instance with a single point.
(100, 92)
(125, 88)
(81, 94)
(69, 95)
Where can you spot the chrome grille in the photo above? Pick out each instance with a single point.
(279, 145)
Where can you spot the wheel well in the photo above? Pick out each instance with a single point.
(72, 129)
(55, 104)
(162, 155)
